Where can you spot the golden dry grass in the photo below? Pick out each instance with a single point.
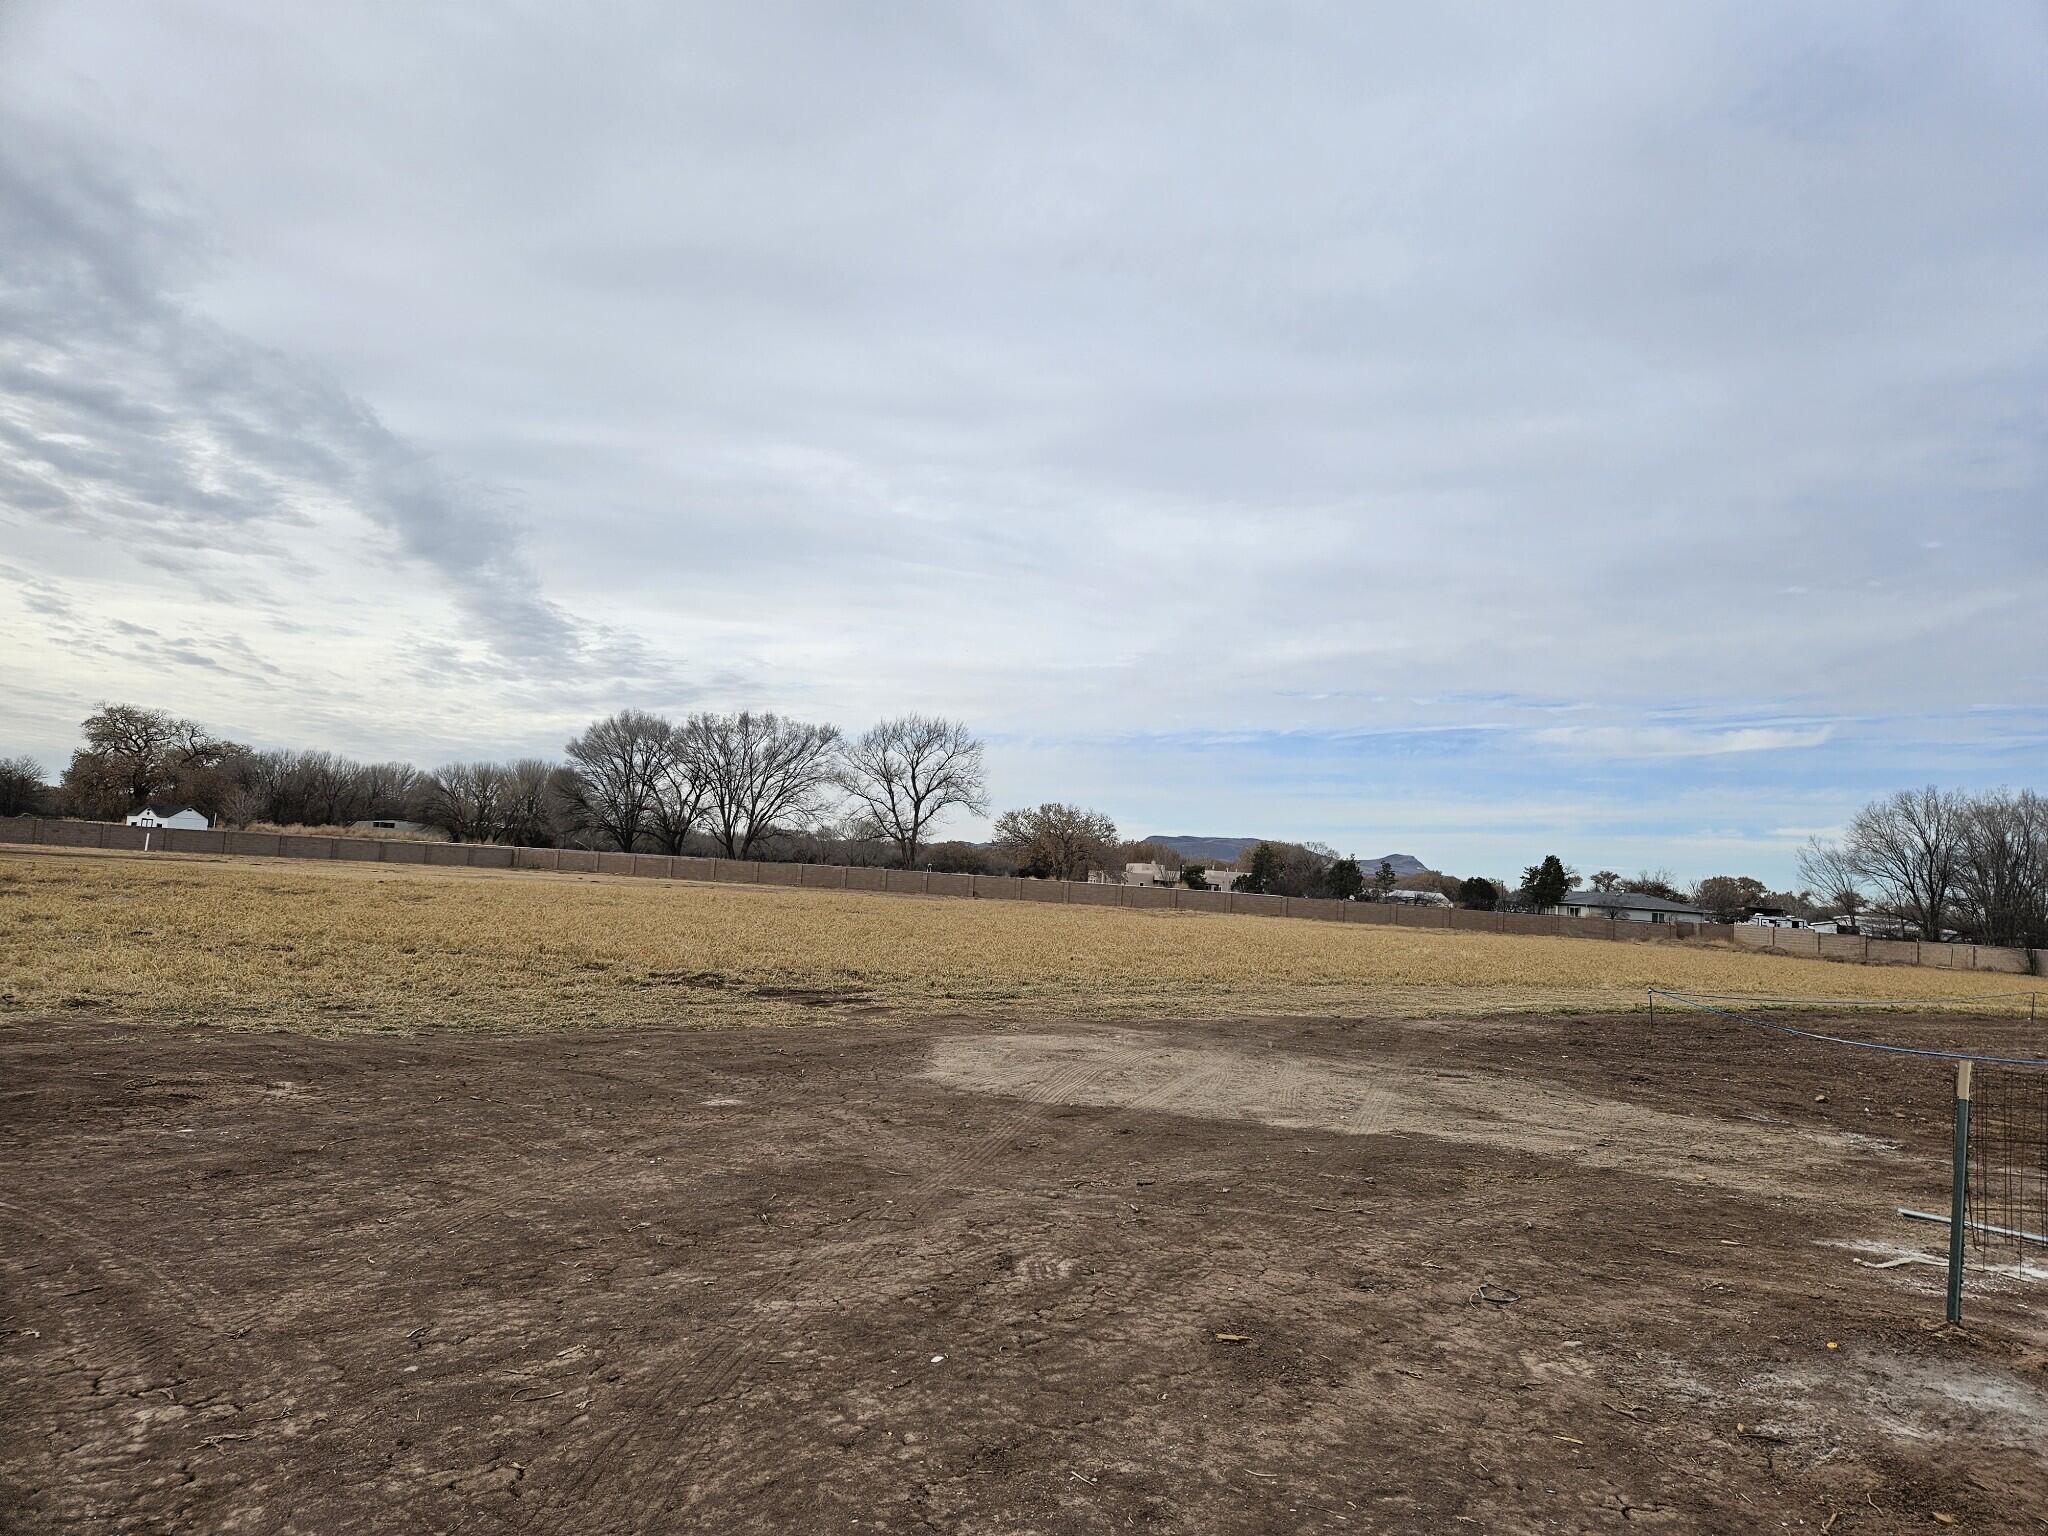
(340, 946)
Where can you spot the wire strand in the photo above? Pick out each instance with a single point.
(1694, 1000)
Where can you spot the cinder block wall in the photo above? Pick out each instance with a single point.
(56, 833)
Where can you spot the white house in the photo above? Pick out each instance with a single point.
(1219, 878)
(161, 813)
(1776, 919)
(1626, 907)
(1417, 898)
(1870, 924)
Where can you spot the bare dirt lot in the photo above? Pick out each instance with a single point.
(1519, 1274)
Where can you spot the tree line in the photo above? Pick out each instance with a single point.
(757, 784)
(635, 780)
(1944, 861)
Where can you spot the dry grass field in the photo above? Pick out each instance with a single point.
(350, 948)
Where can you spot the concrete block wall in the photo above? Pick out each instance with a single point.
(1852, 948)
(2013, 962)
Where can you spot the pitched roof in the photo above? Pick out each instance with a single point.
(1625, 901)
(162, 808)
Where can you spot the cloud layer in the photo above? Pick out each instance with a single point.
(1616, 428)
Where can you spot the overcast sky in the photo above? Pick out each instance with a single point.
(1617, 430)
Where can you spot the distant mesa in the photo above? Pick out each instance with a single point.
(1227, 850)
(1206, 850)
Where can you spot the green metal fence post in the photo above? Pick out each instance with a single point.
(1958, 1184)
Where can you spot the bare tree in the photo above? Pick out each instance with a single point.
(1729, 898)
(1909, 846)
(528, 801)
(132, 754)
(1832, 877)
(758, 772)
(1649, 882)
(142, 746)
(327, 789)
(2002, 877)
(680, 794)
(21, 786)
(257, 791)
(617, 764)
(387, 790)
(1055, 841)
(907, 772)
(467, 801)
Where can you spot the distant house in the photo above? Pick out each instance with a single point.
(1871, 925)
(1417, 898)
(1774, 917)
(1157, 874)
(161, 813)
(391, 824)
(1626, 907)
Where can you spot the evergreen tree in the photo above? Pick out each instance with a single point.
(1477, 894)
(1262, 874)
(1545, 884)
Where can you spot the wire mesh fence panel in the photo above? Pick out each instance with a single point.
(1998, 1179)
(2006, 1205)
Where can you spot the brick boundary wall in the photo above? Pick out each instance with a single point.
(1854, 949)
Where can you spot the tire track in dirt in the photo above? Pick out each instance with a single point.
(1375, 1102)
(1163, 1095)
(149, 1291)
(1289, 1088)
(229, 1380)
(730, 1367)
(429, 1231)
(1068, 1085)
(655, 1436)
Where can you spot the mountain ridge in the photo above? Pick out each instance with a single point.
(1227, 850)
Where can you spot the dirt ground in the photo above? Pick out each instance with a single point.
(1528, 1274)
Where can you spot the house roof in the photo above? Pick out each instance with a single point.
(165, 808)
(1625, 901)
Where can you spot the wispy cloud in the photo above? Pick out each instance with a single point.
(1645, 447)
(1655, 741)
(129, 418)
